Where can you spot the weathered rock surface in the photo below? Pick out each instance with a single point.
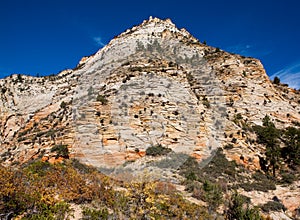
(153, 84)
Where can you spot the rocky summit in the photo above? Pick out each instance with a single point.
(150, 102)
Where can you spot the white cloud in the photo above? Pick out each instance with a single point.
(289, 75)
(239, 48)
(98, 41)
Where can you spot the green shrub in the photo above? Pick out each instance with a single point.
(296, 123)
(63, 105)
(205, 102)
(195, 188)
(58, 211)
(190, 169)
(228, 146)
(238, 210)
(291, 151)
(38, 167)
(20, 78)
(276, 80)
(212, 194)
(237, 119)
(220, 166)
(61, 151)
(102, 99)
(3, 90)
(191, 176)
(261, 183)
(287, 178)
(273, 206)
(157, 150)
(238, 116)
(80, 167)
(92, 214)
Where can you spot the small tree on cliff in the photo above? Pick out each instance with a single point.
(291, 151)
(276, 80)
(268, 135)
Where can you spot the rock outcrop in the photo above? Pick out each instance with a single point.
(152, 85)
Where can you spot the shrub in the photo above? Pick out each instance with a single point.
(3, 90)
(61, 151)
(288, 178)
(157, 150)
(228, 146)
(273, 206)
(34, 196)
(89, 213)
(38, 167)
(205, 102)
(190, 169)
(237, 119)
(191, 176)
(195, 188)
(220, 166)
(261, 183)
(212, 194)
(20, 78)
(80, 167)
(63, 105)
(276, 80)
(102, 99)
(237, 210)
(59, 211)
(296, 123)
(291, 151)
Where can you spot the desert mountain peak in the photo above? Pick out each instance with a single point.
(149, 100)
(146, 32)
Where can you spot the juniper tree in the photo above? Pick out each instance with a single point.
(268, 135)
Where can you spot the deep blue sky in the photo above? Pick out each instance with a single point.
(48, 36)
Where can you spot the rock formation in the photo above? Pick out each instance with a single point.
(152, 85)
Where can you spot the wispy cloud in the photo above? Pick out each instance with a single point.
(98, 41)
(242, 49)
(289, 75)
(248, 50)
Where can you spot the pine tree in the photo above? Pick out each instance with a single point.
(268, 135)
(291, 151)
(276, 80)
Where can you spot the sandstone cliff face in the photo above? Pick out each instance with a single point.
(153, 84)
(162, 86)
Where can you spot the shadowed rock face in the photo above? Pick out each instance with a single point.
(153, 84)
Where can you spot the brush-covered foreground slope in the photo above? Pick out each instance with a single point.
(156, 88)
